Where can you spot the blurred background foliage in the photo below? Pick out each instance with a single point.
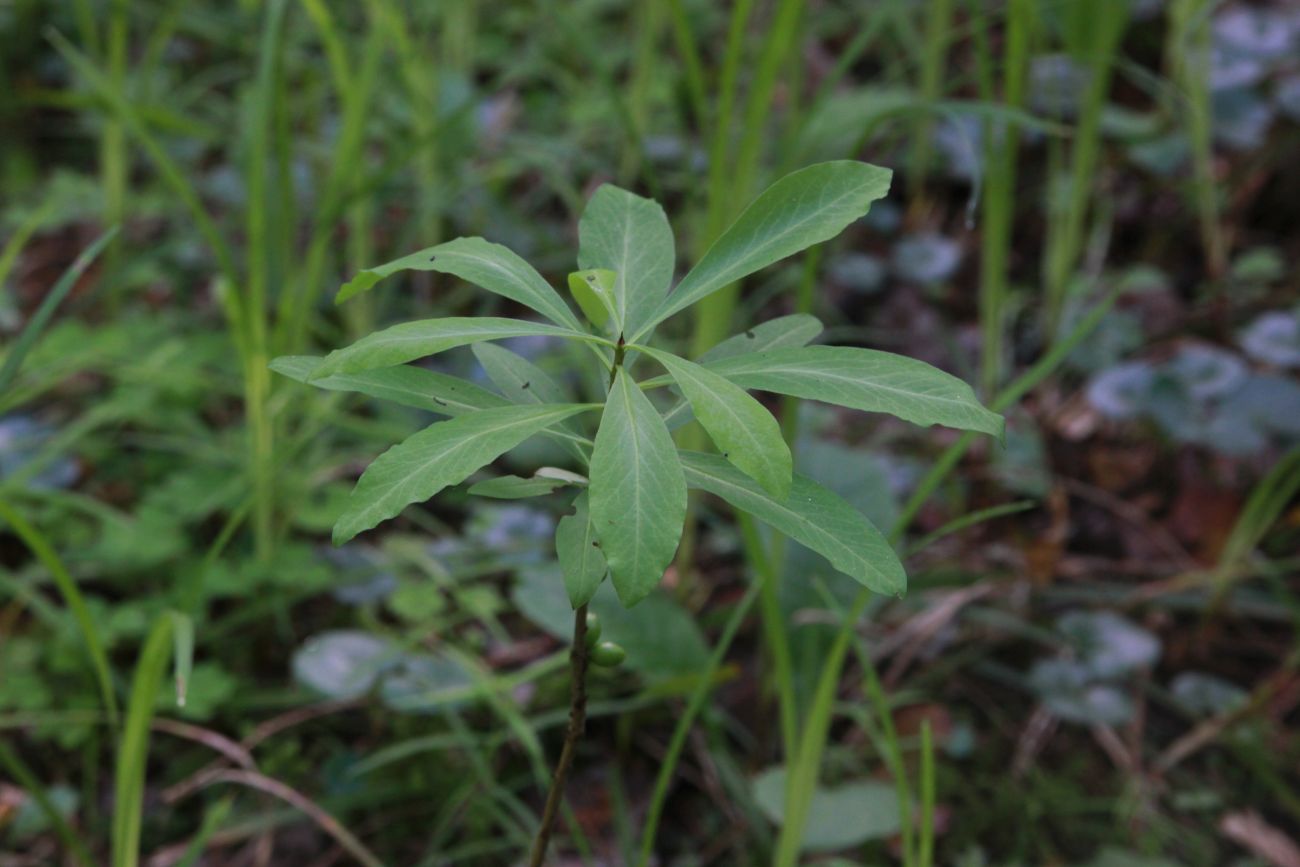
(1093, 220)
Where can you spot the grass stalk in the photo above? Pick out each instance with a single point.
(44, 552)
(36, 325)
(804, 766)
(936, 38)
(1187, 59)
(260, 218)
(1266, 502)
(673, 752)
(648, 26)
(776, 639)
(732, 178)
(1092, 31)
(18, 770)
(133, 748)
(114, 163)
(801, 782)
(997, 205)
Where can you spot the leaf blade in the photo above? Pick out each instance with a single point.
(515, 487)
(442, 454)
(811, 515)
(521, 381)
(493, 267)
(637, 492)
(797, 329)
(803, 208)
(581, 560)
(630, 236)
(742, 429)
(413, 340)
(864, 379)
(406, 385)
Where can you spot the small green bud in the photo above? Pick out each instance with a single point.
(593, 630)
(608, 654)
(593, 289)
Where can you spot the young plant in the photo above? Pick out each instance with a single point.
(630, 482)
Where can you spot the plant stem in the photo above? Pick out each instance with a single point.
(577, 722)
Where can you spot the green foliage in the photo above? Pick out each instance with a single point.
(444, 454)
(628, 522)
(628, 237)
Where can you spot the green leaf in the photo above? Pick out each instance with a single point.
(440, 455)
(521, 381)
(411, 340)
(812, 516)
(638, 494)
(783, 332)
(803, 208)
(405, 385)
(515, 488)
(864, 379)
(593, 289)
(742, 429)
(516, 377)
(579, 553)
(31, 332)
(491, 266)
(630, 236)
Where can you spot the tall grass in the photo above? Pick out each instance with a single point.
(1001, 147)
(735, 155)
(815, 726)
(171, 637)
(268, 291)
(1187, 62)
(1263, 507)
(23, 775)
(936, 38)
(1089, 32)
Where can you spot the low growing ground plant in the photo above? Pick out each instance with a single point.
(630, 480)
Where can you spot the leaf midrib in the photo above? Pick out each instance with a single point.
(799, 517)
(675, 304)
(465, 438)
(826, 374)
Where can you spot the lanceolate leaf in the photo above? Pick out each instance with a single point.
(412, 340)
(440, 455)
(812, 516)
(515, 488)
(521, 381)
(803, 208)
(742, 429)
(783, 332)
(780, 333)
(630, 236)
(864, 379)
(518, 378)
(405, 385)
(579, 553)
(491, 266)
(638, 494)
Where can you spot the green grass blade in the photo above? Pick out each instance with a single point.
(805, 765)
(133, 749)
(27, 780)
(40, 546)
(175, 178)
(212, 821)
(32, 330)
(668, 763)
(802, 782)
